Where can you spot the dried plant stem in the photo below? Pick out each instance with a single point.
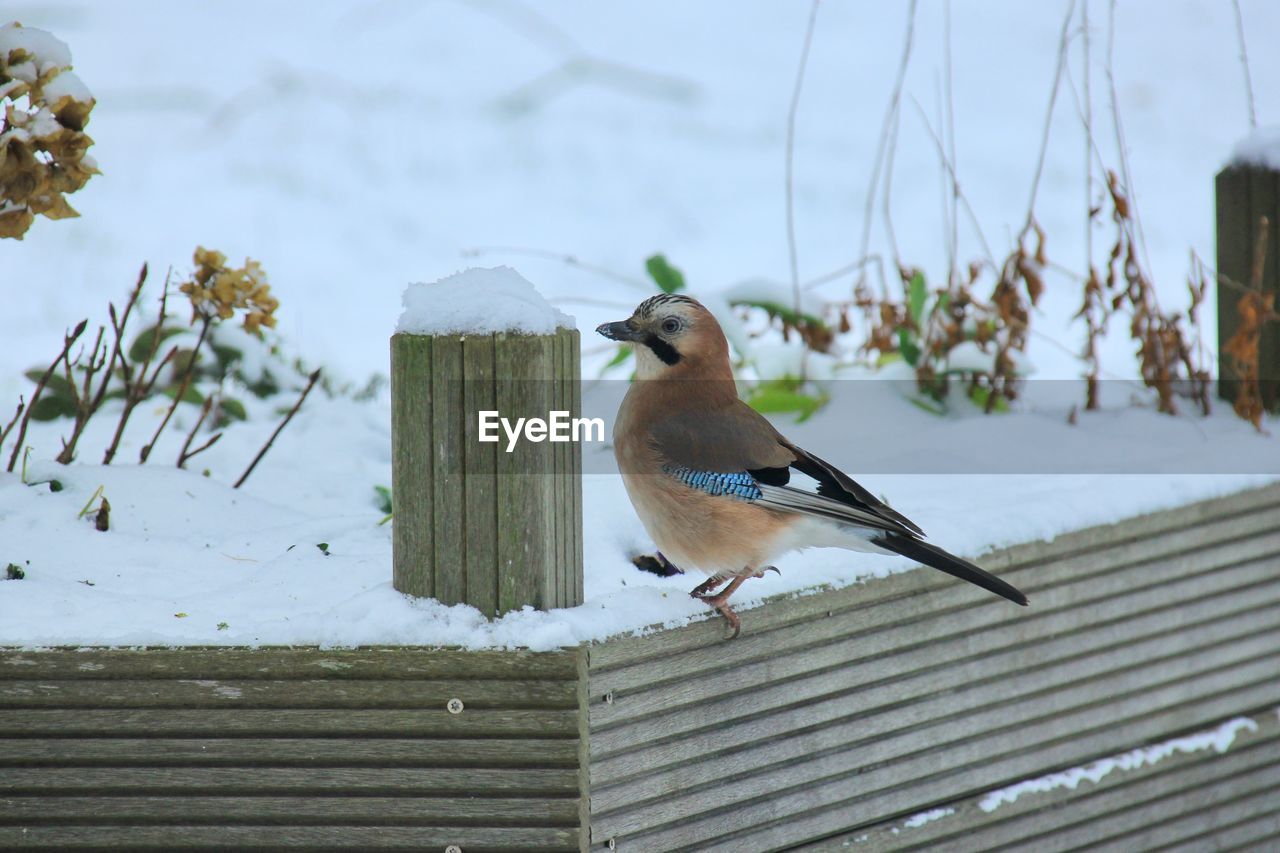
(82, 398)
(791, 150)
(311, 382)
(4, 433)
(888, 128)
(117, 328)
(68, 341)
(183, 455)
(182, 389)
(1244, 64)
(564, 258)
(1063, 40)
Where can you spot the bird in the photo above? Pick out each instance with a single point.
(711, 479)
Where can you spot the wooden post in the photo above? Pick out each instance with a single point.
(1244, 195)
(473, 523)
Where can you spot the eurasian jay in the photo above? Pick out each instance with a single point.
(708, 475)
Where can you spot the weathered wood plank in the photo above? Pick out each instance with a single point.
(468, 838)
(968, 712)
(833, 807)
(412, 474)
(480, 487)
(98, 750)
(296, 781)
(1046, 816)
(934, 662)
(1264, 200)
(945, 639)
(914, 594)
(216, 722)
(423, 811)
(276, 663)
(526, 499)
(448, 440)
(1061, 728)
(259, 693)
(575, 483)
(1234, 254)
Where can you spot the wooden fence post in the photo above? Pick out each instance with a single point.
(1245, 194)
(474, 523)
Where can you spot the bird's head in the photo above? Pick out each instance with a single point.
(673, 335)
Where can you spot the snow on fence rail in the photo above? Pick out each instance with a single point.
(841, 716)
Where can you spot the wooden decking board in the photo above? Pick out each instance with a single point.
(275, 663)
(178, 837)
(884, 605)
(288, 781)
(1183, 528)
(708, 758)
(102, 749)
(216, 722)
(1013, 753)
(890, 680)
(821, 823)
(1042, 816)
(854, 661)
(262, 694)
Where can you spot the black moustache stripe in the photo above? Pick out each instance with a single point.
(663, 350)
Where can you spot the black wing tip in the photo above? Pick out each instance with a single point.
(934, 557)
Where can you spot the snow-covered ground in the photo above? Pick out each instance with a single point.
(362, 146)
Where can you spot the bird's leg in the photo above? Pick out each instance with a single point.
(720, 602)
(703, 589)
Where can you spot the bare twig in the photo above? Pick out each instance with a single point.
(953, 212)
(315, 376)
(1063, 40)
(118, 328)
(201, 449)
(567, 260)
(1244, 64)
(890, 114)
(183, 456)
(83, 398)
(1121, 142)
(136, 390)
(182, 390)
(68, 340)
(791, 148)
(4, 433)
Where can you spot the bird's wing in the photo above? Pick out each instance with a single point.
(736, 439)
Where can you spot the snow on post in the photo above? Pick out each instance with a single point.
(494, 524)
(1248, 189)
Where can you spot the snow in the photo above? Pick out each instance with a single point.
(1260, 148)
(1218, 739)
(67, 85)
(346, 188)
(44, 47)
(479, 301)
(918, 820)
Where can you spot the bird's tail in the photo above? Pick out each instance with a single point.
(936, 558)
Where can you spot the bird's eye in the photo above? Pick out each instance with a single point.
(671, 325)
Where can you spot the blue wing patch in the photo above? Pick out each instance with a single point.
(740, 485)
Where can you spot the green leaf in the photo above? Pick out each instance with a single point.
(943, 305)
(191, 395)
(668, 278)
(619, 357)
(50, 407)
(233, 409)
(979, 394)
(783, 395)
(916, 295)
(384, 499)
(146, 339)
(908, 347)
(324, 548)
(930, 406)
(56, 383)
(783, 312)
(888, 358)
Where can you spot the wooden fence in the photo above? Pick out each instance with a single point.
(833, 719)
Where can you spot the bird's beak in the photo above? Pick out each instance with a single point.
(620, 331)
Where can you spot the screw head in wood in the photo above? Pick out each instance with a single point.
(453, 848)
(454, 706)
(608, 698)
(613, 844)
